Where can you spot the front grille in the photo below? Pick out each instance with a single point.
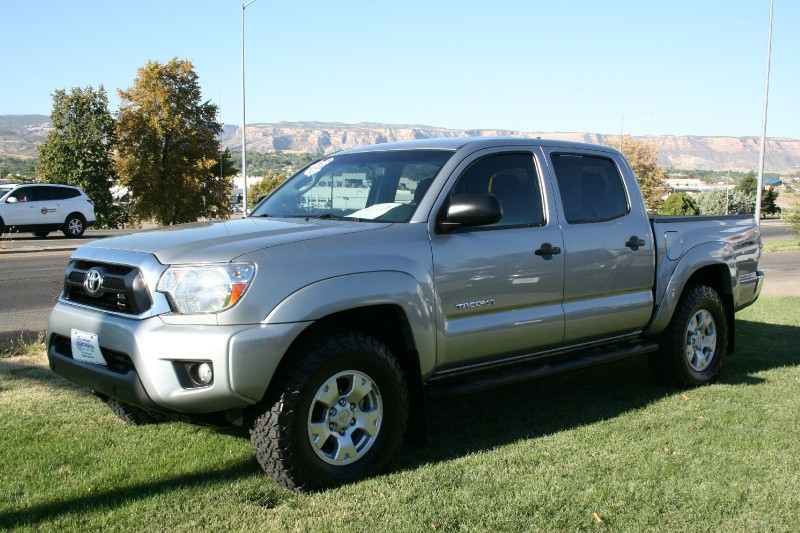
(116, 361)
(119, 288)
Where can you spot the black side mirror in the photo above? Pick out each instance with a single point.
(471, 210)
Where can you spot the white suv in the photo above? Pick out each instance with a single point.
(40, 208)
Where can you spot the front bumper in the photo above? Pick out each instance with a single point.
(146, 359)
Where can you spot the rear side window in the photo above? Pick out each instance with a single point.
(591, 188)
(64, 193)
(513, 180)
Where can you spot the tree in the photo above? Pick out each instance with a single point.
(267, 184)
(679, 203)
(716, 202)
(643, 157)
(168, 152)
(768, 197)
(79, 149)
(749, 184)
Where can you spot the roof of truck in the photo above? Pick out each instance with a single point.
(456, 143)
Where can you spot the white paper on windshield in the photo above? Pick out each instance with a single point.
(86, 348)
(316, 167)
(373, 211)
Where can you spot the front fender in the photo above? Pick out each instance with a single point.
(343, 293)
(711, 254)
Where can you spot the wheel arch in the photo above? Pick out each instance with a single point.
(719, 275)
(389, 306)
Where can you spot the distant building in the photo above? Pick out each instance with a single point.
(694, 186)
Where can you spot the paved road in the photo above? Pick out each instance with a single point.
(30, 283)
(776, 230)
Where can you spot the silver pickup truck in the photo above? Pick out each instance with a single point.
(380, 277)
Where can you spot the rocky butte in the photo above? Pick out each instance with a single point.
(20, 134)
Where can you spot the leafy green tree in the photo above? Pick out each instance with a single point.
(167, 151)
(716, 202)
(79, 149)
(643, 158)
(267, 184)
(748, 184)
(679, 203)
(768, 197)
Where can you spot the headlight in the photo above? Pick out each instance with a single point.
(195, 289)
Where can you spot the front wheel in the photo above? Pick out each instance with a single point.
(337, 415)
(693, 346)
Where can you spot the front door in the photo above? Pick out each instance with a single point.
(23, 210)
(495, 295)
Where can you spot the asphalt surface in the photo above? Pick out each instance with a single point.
(32, 272)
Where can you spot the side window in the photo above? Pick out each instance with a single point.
(591, 188)
(510, 177)
(63, 193)
(23, 194)
(46, 193)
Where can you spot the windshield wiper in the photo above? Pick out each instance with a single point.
(329, 216)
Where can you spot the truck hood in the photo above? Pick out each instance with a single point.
(207, 242)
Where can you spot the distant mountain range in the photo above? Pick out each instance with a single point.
(20, 134)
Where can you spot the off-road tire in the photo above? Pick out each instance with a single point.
(129, 414)
(693, 346)
(74, 226)
(281, 434)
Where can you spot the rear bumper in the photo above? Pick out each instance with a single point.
(750, 289)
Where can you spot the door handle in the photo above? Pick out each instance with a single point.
(635, 242)
(547, 250)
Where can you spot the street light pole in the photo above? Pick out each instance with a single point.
(244, 121)
(764, 122)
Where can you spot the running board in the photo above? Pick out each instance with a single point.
(446, 387)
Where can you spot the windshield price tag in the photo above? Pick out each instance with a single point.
(86, 348)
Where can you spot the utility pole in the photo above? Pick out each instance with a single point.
(764, 122)
(244, 121)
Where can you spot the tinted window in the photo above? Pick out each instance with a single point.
(591, 188)
(510, 177)
(23, 194)
(65, 193)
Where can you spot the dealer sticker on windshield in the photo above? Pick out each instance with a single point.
(86, 348)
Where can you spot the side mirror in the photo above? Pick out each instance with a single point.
(471, 210)
(12, 200)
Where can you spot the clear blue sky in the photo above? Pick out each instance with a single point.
(696, 66)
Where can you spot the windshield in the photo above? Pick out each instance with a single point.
(380, 186)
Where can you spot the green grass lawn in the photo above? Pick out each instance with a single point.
(599, 449)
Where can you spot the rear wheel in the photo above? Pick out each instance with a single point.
(337, 415)
(693, 346)
(74, 226)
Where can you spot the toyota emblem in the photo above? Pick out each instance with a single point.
(93, 282)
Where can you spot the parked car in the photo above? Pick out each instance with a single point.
(40, 208)
(383, 276)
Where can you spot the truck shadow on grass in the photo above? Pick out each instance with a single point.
(458, 426)
(470, 424)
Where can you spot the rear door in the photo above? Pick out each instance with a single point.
(496, 297)
(609, 254)
(51, 201)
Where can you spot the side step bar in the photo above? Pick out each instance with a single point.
(447, 387)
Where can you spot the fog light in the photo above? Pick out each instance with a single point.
(204, 373)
